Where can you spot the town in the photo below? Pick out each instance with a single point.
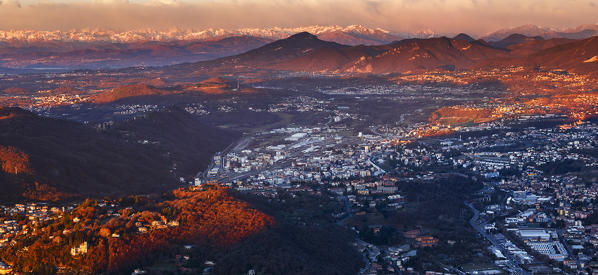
(523, 174)
(543, 222)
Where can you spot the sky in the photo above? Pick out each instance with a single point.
(476, 17)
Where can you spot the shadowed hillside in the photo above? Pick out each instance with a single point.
(187, 141)
(59, 158)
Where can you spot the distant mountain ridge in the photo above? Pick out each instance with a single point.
(464, 36)
(75, 55)
(514, 39)
(274, 54)
(101, 49)
(580, 32)
(306, 52)
(350, 35)
(109, 49)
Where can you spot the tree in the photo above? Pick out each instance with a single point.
(13, 160)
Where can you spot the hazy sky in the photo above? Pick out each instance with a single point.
(443, 16)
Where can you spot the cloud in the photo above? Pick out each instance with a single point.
(10, 3)
(110, 2)
(442, 16)
(162, 2)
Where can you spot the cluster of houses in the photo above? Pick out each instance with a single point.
(5, 269)
(303, 155)
(14, 220)
(297, 104)
(47, 98)
(133, 109)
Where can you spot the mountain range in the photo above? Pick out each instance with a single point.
(350, 35)
(109, 49)
(52, 50)
(580, 32)
(307, 53)
(92, 55)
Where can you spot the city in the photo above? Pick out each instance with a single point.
(298, 137)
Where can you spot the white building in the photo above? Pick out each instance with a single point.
(79, 250)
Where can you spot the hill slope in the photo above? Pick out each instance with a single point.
(189, 142)
(50, 159)
(65, 158)
(127, 91)
(579, 56)
(401, 56)
(425, 54)
(271, 55)
(514, 39)
(533, 46)
(210, 219)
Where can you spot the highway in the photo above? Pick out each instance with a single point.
(512, 262)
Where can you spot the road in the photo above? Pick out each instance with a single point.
(375, 130)
(512, 263)
(366, 268)
(240, 145)
(348, 209)
(371, 159)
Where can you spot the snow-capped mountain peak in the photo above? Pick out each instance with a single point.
(367, 35)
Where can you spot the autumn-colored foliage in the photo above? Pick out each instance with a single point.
(208, 217)
(44, 192)
(14, 161)
(217, 85)
(460, 115)
(437, 132)
(8, 116)
(576, 106)
(126, 92)
(211, 218)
